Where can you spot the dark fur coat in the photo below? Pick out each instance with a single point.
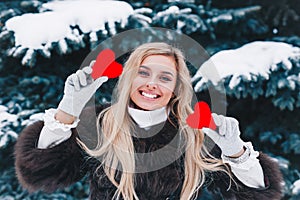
(61, 165)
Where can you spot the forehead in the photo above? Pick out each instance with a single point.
(167, 62)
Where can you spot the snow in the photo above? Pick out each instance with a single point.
(296, 187)
(27, 57)
(63, 46)
(33, 118)
(93, 36)
(3, 108)
(5, 137)
(34, 30)
(143, 17)
(37, 116)
(252, 59)
(143, 10)
(6, 119)
(171, 9)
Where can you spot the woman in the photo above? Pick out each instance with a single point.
(154, 97)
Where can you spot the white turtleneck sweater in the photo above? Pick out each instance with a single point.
(146, 119)
(53, 133)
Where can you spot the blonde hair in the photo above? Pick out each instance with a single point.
(116, 125)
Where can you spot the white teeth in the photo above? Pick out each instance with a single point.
(152, 96)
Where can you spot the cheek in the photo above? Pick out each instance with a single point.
(168, 93)
(168, 90)
(136, 83)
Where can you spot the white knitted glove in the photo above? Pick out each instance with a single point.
(79, 88)
(228, 135)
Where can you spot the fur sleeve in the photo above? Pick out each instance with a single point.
(46, 169)
(273, 182)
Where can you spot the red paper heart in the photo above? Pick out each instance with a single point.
(201, 117)
(106, 65)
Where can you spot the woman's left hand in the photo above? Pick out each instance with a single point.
(228, 135)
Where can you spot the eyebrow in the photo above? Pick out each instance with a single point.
(164, 72)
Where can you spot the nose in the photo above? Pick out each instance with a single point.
(151, 85)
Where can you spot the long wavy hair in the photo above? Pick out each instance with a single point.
(115, 144)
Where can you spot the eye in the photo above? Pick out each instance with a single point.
(165, 78)
(143, 73)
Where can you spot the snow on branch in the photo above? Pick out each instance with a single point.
(5, 120)
(9, 123)
(248, 61)
(62, 24)
(258, 68)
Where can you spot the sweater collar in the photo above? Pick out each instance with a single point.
(146, 119)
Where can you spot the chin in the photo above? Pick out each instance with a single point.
(148, 108)
(145, 107)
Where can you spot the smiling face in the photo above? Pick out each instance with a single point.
(155, 82)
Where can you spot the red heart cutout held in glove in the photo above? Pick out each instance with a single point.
(106, 65)
(201, 117)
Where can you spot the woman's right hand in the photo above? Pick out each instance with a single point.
(79, 88)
